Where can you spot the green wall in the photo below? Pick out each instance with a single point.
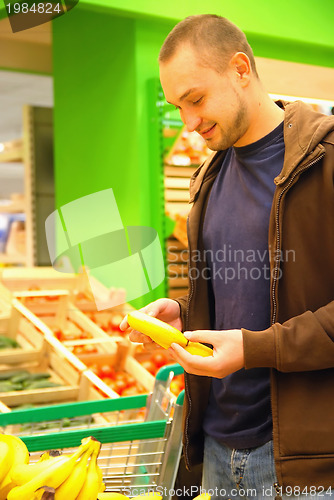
(95, 130)
(297, 30)
(101, 67)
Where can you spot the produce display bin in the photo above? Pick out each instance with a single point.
(65, 319)
(135, 456)
(122, 360)
(17, 329)
(77, 284)
(61, 367)
(25, 278)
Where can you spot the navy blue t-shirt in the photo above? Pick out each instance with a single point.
(236, 248)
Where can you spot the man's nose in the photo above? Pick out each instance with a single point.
(191, 120)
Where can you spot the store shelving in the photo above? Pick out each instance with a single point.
(179, 154)
(35, 152)
(14, 152)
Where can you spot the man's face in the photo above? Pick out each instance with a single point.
(210, 103)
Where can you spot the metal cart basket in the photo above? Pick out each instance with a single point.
(140, 435)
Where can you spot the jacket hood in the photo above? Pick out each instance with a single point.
(304, 129)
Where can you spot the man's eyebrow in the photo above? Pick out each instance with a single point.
(183, 96)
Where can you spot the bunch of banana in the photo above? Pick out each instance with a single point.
(60, 477)
(13, 452)
(44, 493)
(164, 334)
(119, 496)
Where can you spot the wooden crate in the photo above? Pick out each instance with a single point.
(5, 305)
(68, 323)
(47, 283)
(25, 278)
(121, 361)
(51, 356)
(18, 326)
(47, 279)
(114, 350)
(77, 383)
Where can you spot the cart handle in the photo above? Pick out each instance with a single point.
(111, 434)
(164, 371)
(70, 410)
(180, 398)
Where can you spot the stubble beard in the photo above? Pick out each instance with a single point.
(237, 130)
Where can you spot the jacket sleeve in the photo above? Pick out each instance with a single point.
(182, 301)
(303, 343)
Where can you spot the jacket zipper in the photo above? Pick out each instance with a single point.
(278, 488)
(278, 239)
(191, 293)
(274, 301)
(278, 491)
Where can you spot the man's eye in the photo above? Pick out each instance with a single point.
(198, 100)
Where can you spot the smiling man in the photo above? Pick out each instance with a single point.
(228, 107)
(258, 412)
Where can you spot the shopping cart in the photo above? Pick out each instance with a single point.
(140, 435)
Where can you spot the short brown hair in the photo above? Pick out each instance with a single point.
(218, 37)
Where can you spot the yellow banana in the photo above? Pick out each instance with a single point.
(164, 334)
(112, 496)
(20, 456)
(102, 486)
(21, 453)
(49, 454)
(150, 494)
(90, 488)
(53, 476)
(203, 496)
(198, 349)
(44, 493)
(23, 473)
(6, 458)
(71, 487)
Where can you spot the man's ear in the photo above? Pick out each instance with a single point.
(241, 67)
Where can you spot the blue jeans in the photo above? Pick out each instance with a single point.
(247, 474)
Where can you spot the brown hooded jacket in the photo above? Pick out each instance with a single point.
(298, 347)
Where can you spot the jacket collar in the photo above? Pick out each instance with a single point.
(304, 128)
(211, 164)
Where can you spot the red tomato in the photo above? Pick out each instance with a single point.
(159, 359)
(120, 385)
(90, 349)
(130, 391)
(175, 387)
(130, 380)
(58, 334)
(106, 371)
(149, 366)
(94, 368)
(115, 320)
(51, 297)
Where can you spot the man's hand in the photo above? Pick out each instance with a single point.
(167, 310)
(228, 353)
